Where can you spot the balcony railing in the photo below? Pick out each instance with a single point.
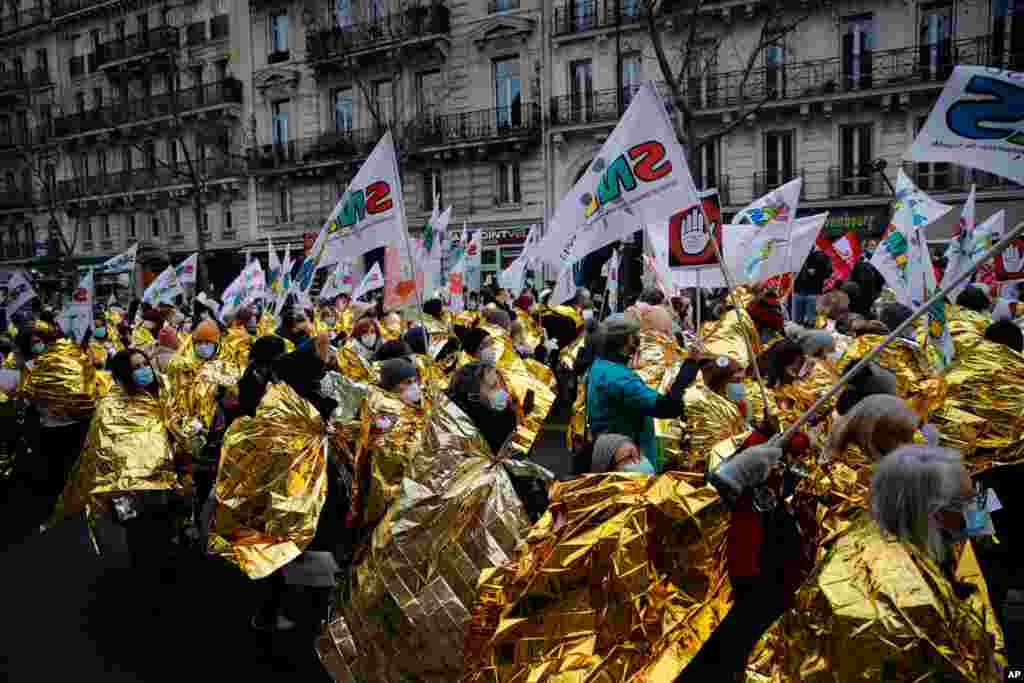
(25, 18)
(766, 181)
(213, 168)
(475, 126)
(849, 182)
(62, 7)
(937, 178)
(135, 111)
(590, 107)
(334, 146)
(825, 77)
(588, 15)
(138, 45)
(417, 22)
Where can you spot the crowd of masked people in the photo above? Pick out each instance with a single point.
(172, 382)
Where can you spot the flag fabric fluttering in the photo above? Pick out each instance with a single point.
(368, 216)
(640, 176)
(273, 270)
(19, 292)
(513, 278)
(958, 251)
(339, 282)
(976, 122)
(611, 289)
(923, 209)
(185, 272)
(76, 318)
(122, 263)
(844, 254)
(778, 206)
(756, 253)
(164, 288)
(249, 286)
(374, 279)
(284, 280)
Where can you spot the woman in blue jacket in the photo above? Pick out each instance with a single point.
(618, 400)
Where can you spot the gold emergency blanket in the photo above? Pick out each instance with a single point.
(983, 414)
(388, 428)
(623, 579)
(533, 333)
(127, 450)
(353, 365)
(271, 484)
(65, 380)
(657, 362)
(142, 337)
(725, 337)
(521, 377)
(709, 419)
(567, 356)
(923, 390)
(440, 334)
(193, 385)
(404, 609)
(878, 610)
(234, 348)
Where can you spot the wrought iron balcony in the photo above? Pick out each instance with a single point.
(766, 181)
(416, 23)
(589, 15)
(852, 182)
(938, 178)
(482, 125)
(118, 182)
(921, 65)
(15, 199)
(590, 107)
(63, 7)
(228, 91)
(138, 45)
(15, 21)
(329, 147)
(494, 6)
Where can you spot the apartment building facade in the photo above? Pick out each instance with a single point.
(458, 83)
(838, 100)
(125, 125)
(496, 107)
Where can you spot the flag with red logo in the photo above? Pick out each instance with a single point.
(844, 254)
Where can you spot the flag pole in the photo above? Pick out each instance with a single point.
(731, 294)
(941, 294)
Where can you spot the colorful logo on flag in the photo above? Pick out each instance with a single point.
(642, 163)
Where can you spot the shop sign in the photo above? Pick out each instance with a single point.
(506, 236)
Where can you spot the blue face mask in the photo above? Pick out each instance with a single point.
(735, 392)
(143, 376)
(39, 348)
(206, 351)
(642, 467)
(499, 401)
(100, 333)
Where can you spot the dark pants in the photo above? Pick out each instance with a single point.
(59, 448)
(149, 534)
(723, 657)
(273, 602)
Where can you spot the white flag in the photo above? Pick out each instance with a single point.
(339, 282)
(778, 206)
(76, 319)
(368, 215)
(958, 251)
(565, 286)
(611, 290)
(639, 177)
(896, 257)
(471, 267)
(978, 121)
(513, 278)
(163, 289)
(273, 269)
(374, 279)
(285, 280)
(756, 253)
(122, 263)
(923, 209)
(19, 292)
(186, 270)
(249, 286)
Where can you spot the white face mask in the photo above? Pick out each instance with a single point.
(588, 314)
(489, 356)
(368, 340)
(412, 393)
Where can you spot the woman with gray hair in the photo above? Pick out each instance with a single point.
(919, 494)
